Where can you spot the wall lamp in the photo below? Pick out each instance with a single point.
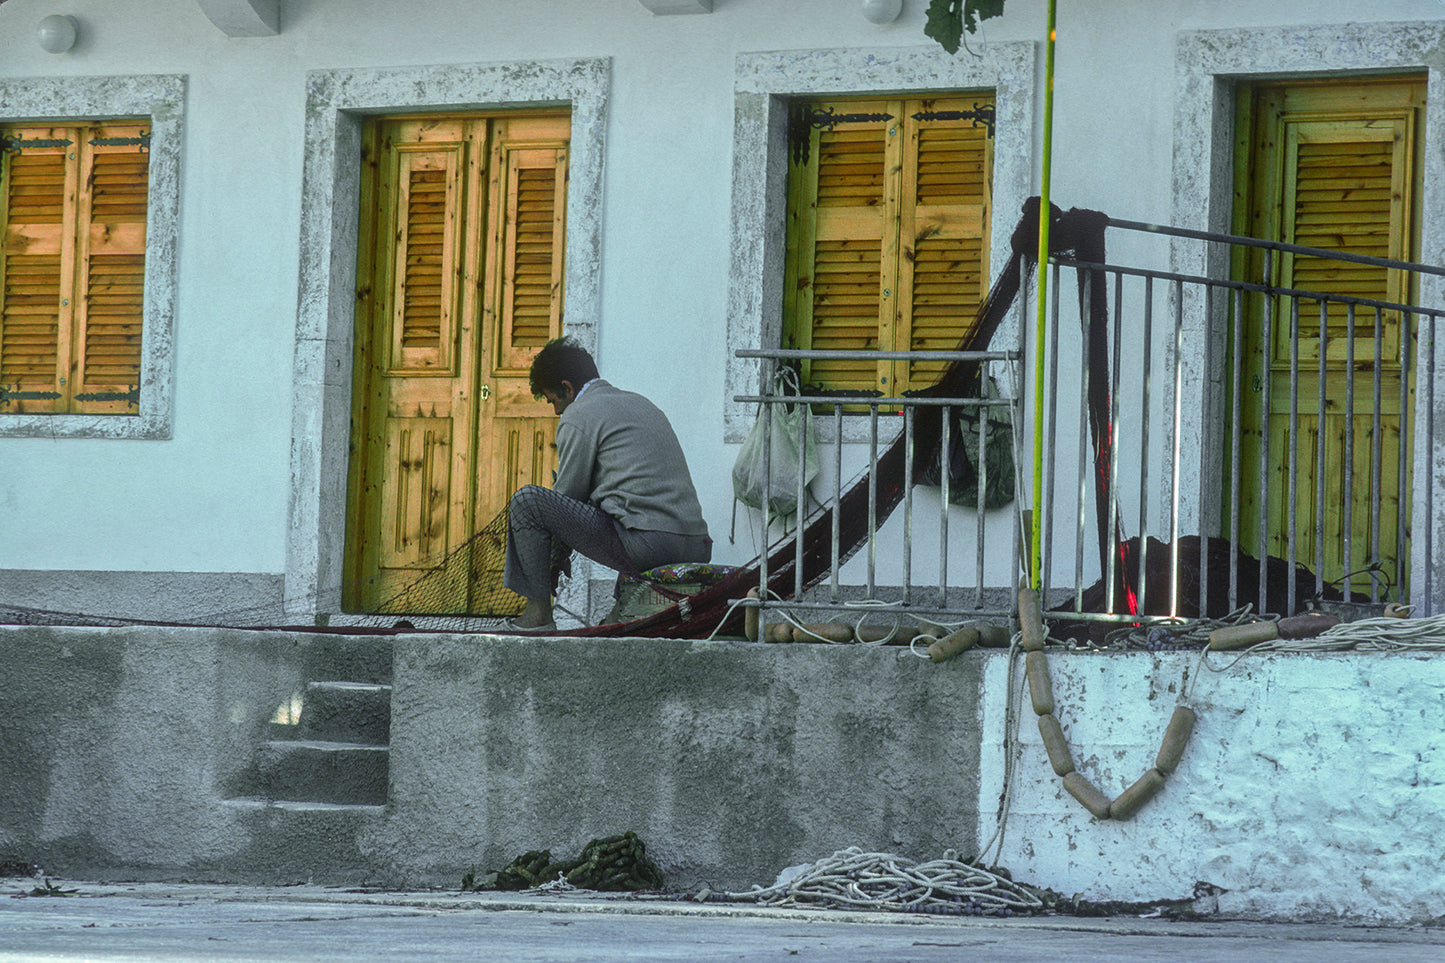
(882, 11)
(57, 33)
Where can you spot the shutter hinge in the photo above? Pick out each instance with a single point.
(8, 395)
(143, 141)
(981, 114)
(131, 397)
(805, 118)
(14, 145)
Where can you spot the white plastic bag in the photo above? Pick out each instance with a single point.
(794, 450)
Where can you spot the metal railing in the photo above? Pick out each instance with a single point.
(1256, 477)
(1223, 474)
(945, 597)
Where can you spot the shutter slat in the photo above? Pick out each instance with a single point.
(532, 311)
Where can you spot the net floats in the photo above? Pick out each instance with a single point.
(1031, 620)
(1145, 788)
(959, 640)
(1056, 744)
(1306, 625)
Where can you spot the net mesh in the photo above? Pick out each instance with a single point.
(463, 591)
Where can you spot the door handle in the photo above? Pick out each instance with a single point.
(486, 392)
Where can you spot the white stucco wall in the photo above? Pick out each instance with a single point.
(1309, 787)
(219, 495)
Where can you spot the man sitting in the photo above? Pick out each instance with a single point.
(622, 495)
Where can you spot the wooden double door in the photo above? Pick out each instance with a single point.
(460, 281)
(1332, 164)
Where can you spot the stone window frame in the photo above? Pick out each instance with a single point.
(1209, 66)
(765, 83)
(159, 99)
(338, 103)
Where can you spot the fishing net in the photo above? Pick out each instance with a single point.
(463, 590)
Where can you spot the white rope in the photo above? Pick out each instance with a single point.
(1013, 705)
(1175, 633)
(1385, 634)
(857, 639)
(856, 879)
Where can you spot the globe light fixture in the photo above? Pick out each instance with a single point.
(57, 33)
(882, 11)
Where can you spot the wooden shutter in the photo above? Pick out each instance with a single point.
(1330, 164)
(34, 337)
(73, 264)
(835, 239)
(943, 271)
(531, 187)
(1347, 187)
(111, 269)
(887, 233)
(425, 262)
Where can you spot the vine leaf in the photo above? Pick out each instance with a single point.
(947, 19)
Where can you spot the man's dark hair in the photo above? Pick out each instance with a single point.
(561, 359)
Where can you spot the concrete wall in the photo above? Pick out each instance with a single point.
(1313, 786)
(731, 760)
(119, 746)
(232, 489)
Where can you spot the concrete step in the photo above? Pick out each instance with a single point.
(354, 712)
(297, 842)
(321, 771)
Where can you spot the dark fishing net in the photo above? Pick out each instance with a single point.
(463, 591)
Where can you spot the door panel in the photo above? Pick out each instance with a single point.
(459, 283)
(1331, 165)
(523, 295)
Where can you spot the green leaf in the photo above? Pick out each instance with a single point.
(947, 19)
(976, 10)
(945, 23)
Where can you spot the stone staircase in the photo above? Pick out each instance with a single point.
(334, 752)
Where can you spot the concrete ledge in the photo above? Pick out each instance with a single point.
(229, 598)
(1313, 787)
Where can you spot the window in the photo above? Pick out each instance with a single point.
(73, 204)
(888, 211)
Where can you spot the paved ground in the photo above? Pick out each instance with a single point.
(164, 922)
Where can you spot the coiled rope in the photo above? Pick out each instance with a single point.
(854, 879)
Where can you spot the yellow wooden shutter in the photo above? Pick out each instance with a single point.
(428, 218)
(111, 269)
(34, 263)
(1347, 186)
(74, 268)
(835, 239)
(1335, 165)
(533, 192)
(943, 271)
(887, 233)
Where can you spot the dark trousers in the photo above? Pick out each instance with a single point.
(542, 523)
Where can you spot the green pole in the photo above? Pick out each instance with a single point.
(1036, 556)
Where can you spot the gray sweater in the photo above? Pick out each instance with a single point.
(617, 450)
